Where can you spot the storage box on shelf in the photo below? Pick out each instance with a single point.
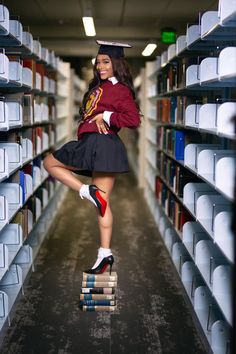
(29, 197)
(190, 131)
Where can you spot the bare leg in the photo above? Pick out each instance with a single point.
(62, 173)
(105, 181)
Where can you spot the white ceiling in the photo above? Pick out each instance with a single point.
(58, 23)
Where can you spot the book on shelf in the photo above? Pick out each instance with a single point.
(97, 302)
(99, 284)
(98, 308)
(100, 277)
(97, 297)
(98, 290)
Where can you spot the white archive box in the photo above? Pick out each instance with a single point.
(16, 29)
(192, 234)
(12, 237)
(4, 165)
(45, 54)
(15, 112)
(179, 255)
(37, 177)
(4, 67)
(38, 81)
(207, 258)
(208, 206)
(24, 259)
(4, 308)
(27, 40)
(192, 75)
(223, 235)
(192, 115)
(14, 195)
(193, 33)
(170, 237)
(181, 44)
(4, 20)
(208, 71)
(164, 224)
(188, 277)
(220, 337)
(37, 48)
(4, 211)
(207, 165)
(15, 71)
(222, 290)
(14, 153)
(225, 122)
(227, 12)
(208, 117)
(193, 191)
(227, 65)
(208, 21)
(192, 151)
(45, 141)
(202, 307)
(164, 58)
(27, 150)
(171, 51)
(11, 284)
(225, 175)
(27, 77)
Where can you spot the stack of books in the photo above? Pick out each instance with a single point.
(98, 292)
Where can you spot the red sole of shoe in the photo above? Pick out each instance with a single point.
(103, 203)
(103, 269)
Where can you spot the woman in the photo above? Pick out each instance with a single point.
(108, 105)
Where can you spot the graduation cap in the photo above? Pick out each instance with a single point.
(112, 49)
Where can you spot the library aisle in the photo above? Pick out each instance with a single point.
(153, 314)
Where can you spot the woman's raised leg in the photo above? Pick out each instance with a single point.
(62, 173)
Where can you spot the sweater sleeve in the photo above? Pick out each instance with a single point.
(127, 114)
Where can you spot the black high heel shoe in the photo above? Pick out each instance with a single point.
(101, 268)
(100, 202)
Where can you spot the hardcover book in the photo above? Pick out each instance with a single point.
(99, 308)
(100, 277)
(99, 284)
(97, 302)
(97, 297)
(100, 290)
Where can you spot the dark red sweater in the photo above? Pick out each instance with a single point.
(113, 98)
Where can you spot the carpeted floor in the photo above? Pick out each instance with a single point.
(153, 315)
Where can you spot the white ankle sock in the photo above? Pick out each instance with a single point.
(84, 193)
(102, 253)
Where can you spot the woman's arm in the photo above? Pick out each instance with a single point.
(127, 114)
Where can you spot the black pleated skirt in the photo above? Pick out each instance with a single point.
(94, 152)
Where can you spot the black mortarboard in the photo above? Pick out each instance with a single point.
(112, 49)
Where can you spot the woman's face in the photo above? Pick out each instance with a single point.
(104, 66)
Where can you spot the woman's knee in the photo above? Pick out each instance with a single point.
(47, 163)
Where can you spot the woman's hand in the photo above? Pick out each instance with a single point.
(98, 119)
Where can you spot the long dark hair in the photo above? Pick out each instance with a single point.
(122, 73)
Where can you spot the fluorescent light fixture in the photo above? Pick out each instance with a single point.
(89, 26)
(149, 49)
(93, 61)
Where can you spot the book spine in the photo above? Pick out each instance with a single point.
(97, 302)
(99, 284)
(94, 277)
(96, 297)
(98, 308)
(97, 290)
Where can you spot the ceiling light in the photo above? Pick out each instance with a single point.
(149, 49)
(89, 26)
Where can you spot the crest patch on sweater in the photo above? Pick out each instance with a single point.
(92, 102)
